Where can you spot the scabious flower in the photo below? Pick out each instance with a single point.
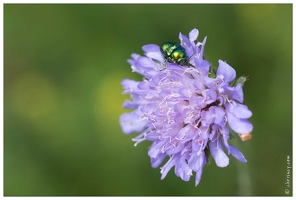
(186, 111)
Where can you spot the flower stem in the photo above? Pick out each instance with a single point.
(243, 177)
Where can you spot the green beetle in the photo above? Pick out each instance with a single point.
(174, 53)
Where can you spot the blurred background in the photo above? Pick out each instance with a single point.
(63, 65)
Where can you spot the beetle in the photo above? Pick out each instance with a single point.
(174, 53)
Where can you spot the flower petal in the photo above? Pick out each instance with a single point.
(128, 104)
(155, 162)
(184, 40)
(146, 67)
(218, 154)
(155, 55)
(237, 154)
(186, 133)
(154, 150)
(166, 168)
(196, 161)
(240, 126)
(198, 176)
(193, 35)
(201, 53)
(132, 122)
(182, 169)
(129, 85)
(225, 136)
(219, 115)
(150, 48)
(146, 63)
(239, 110)
(227, 71)
(173, 147)
(153, 51)
(235, 93)
(199, 172)
(202, 65)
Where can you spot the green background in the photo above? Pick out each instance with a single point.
(63, 65)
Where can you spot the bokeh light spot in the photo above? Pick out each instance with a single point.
(33, 96)
(109, 100)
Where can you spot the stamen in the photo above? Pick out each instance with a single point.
(138, 139)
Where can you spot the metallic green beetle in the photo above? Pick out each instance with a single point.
(174, 53)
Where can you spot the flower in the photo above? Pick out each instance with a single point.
(186, 111)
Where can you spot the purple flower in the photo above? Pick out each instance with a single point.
(183, 110)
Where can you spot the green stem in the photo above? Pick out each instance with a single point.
(243, 177)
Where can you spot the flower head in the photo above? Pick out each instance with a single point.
(186, 111)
